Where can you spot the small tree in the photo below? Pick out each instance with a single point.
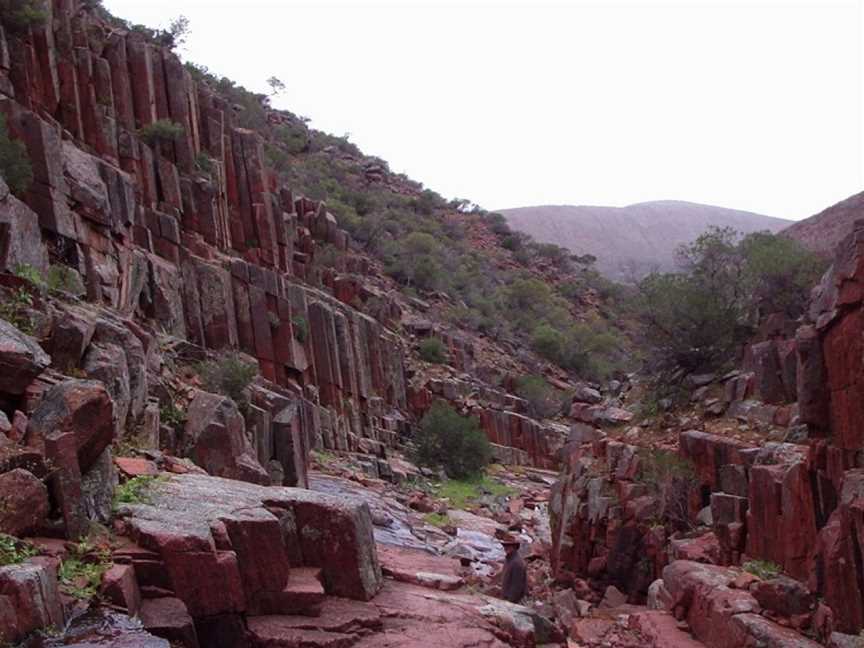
(161, 131)
(277, 87)
(20, 15)
(177, 32)
(671, 479)
(455, 443)
(543, 401)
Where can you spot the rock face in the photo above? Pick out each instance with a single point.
(21, 359)
(29, 599)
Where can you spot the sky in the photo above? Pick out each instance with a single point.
(753, 105)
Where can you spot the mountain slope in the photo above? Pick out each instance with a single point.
(824, 231)
(634, 239)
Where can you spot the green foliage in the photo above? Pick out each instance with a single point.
(14, 309)
(453, 442)
(20, 15)
(439, 520)
(81, 571)
(463, 493)
(61, 278)
(697, 317)
(172, 415)
(15, 165)
(589, 349)
(301, 328)
(433, 350)
(161, 131)
(204, 164)
(228, 375)
(544, 401)
(135, 490)
(14, 551)
(29, 273)
(764, 569)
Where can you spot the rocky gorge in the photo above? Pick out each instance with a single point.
(139, 507)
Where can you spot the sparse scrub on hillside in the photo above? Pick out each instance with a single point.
(455, 443)
(671, 479)
(161, 131)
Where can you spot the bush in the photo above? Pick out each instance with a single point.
(543, 400)
(455, 443)
(433, 350)
(671, 479)
(163, 130)
(764, 569)
(14, 551)
(19, 15)
(14, 162)
(229, 375)
(301, 328)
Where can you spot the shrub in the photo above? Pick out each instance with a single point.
(671, 479)
(204, 164)
(14, 310)
(463, 493)
(134, 490)
(81, 571)
(61, 278)
(455, 443)
(228, 375)
(543, 400)
(433, 350)
(14, 551)
(14, 162)
(163, 130)
(301, 328)
(19, 15)
(762, 568)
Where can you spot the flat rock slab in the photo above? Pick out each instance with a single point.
(420, 568)
(229, 546)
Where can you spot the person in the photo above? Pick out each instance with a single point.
(514, 578)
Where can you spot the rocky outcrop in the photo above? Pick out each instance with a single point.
(21, 359)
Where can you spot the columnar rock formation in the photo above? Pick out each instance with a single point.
(796, 505)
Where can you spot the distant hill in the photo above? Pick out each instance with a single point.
(632, 240)
(824, 231)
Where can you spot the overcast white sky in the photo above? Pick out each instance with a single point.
(752, 105)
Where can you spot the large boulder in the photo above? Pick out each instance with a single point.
(21, 359)
(215, 438)
(29, 599)
(20, 234)
(23, 502)
(81, 407)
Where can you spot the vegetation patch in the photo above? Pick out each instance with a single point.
(161, 131)
(301, 328)
(764, 569)
(228, 375)
(14, 309)
(439, 520)
(462, 493)
(81, 571)
(433, 350)
(543, 400)
(444, 439)
(135, 490)
(671, 479)
(14, 551)
(20, 15)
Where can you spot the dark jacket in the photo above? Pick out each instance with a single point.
(514, 581)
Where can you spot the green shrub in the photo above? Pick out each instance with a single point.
(464, 493)
(444, 439)
(61, 278)
(20, 15)
(301, 328)
(81, 571)
(671, 479)
(433, 350)
(543, 400)
(161, 131)
(14, 551)
(14, 161)
(14, 308)
(134, 490)
(764, 569)
(204, 164)
(228, 375)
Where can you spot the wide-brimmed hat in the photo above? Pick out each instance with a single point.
(509, 539)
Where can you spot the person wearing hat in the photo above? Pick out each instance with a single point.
(514, 578)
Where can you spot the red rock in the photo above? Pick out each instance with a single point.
(80, 407)
(120, 587)
(783, 596)
(168, 618)
(136, 467)
(61, 452)
(21, 359)
(704, 549)
(303, 595)
(29, 599)
(660, 630)
(23, 503)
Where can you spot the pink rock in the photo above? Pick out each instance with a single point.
(23, 503)
(121, 588)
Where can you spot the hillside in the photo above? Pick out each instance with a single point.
(639, 238)
(823, 232)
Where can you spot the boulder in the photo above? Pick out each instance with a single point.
(21, 359)
(80, 407)
(71, 334)
(169, 618)
(783, 596)
(215, 438)
(23, 503)
(29, 599)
